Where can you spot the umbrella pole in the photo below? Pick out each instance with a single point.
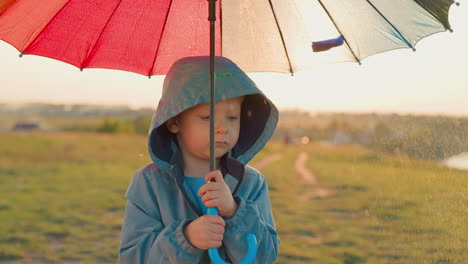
(251, 240)
(212, 19)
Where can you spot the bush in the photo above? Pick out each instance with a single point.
(141, 124)
(114, 126)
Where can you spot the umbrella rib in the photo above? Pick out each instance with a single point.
(221, 27)
(339, 31)
(390, 23)
(100, 35)
(160, 39)
(281, 35)
(25, 50)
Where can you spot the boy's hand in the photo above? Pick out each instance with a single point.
(206, 232)
(217, 194)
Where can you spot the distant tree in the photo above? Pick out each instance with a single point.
(114, 126)
(142, 124)
(78, 128)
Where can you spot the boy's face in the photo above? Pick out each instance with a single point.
(193, 128)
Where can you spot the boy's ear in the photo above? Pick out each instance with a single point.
(173, 125)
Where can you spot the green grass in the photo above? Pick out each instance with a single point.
(63, 195)
(62, 201)
(383, 209)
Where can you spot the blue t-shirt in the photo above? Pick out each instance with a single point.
(195, 183)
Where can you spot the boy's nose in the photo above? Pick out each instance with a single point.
(220, 127)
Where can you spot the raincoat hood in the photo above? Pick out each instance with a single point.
(187, 84)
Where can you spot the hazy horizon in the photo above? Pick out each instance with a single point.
(311, 112)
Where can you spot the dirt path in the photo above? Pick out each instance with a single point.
(304, 172)
(259, 165)
(309, 178)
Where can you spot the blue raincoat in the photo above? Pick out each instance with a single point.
(159, 203)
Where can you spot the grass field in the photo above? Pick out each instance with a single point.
(62, 202)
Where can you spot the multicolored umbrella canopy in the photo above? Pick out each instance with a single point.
(147, 36)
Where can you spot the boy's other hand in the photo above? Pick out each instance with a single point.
(207, 231)
(217, 194)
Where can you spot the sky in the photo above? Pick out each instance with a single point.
(432, 80)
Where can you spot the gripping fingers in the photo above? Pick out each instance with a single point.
(214, 244)
(213, 203)
(208, 196)
(208, 187)
(216, 219)
(217, 229)
(215, 240)
(216, 237)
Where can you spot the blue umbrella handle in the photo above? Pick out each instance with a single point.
(251, 246)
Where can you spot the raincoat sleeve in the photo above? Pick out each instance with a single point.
(144, 237)
(253, 215)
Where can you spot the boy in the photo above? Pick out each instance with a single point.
(166, 200)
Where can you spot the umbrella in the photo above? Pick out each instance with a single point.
(147, 36)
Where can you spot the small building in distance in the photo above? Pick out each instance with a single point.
(26, 126)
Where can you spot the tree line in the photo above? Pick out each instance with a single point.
(414, 136)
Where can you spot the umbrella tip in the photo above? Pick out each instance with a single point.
(413, 48)
(21, 55)
(457, 3)
(451, 30)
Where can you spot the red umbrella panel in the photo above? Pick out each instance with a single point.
(135, 36)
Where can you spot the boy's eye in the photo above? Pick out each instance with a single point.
(205, 117)
(233, 117)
